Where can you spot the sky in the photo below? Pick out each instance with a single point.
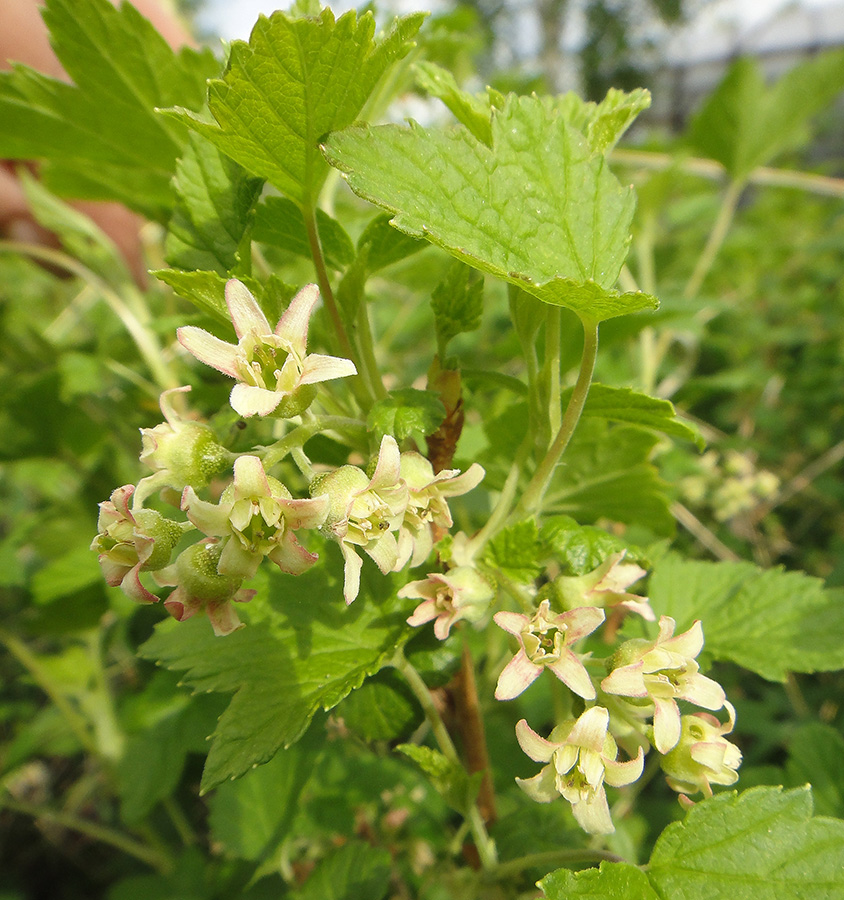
(235, 19)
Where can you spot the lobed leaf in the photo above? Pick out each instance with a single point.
(769, 621)
(405, 411)
(293, 82)
(537, 208)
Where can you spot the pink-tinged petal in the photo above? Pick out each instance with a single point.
(666, 725)
(223, 618)
(113, 572)
(132, 587)
(425, 612)
(702, 691)
(593, 814)
(305, 513)
(317, 367)
(709, 753)
(581, 622)
(464, 483)
(250, 479)
(666, 629)
(351, 573)
(237, 560)
(590, 730)
(383, 552)
(618, 774)
(442, 625)
(247, 400)
(422, 547)
(571, 671)
(291, 557)
(641, 607)
(245, 313)
(626, 681)
(387, 471)
(514, 623)
(405, 549)
(689, 643)
(120, 498)
(422, 589)
(244, 595)
(209, 349)
(168, 409)
(209, 518)
(293, 325)
(181, 605)
(517, 675)
(542, 787)
(534, 745)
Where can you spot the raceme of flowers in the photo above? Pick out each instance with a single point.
(397, 513)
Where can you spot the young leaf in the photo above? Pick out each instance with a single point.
(451, 780)
(627, 405)
(308, 655)
(356, 871)
(815, 752)
(251, 816)
(604, 123)
(382, 708)
(537, 208)
(280, 222)
(472, 110)
(745, 124)
(296, 80)
(578, 548)
(457, 303)
(762, 844)
(100, 137)
(515, 551)
(211, 223)
(769, 621)
(405, 411)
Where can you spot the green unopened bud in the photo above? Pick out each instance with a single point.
(341, 486)
(188, 453)
(196, 571)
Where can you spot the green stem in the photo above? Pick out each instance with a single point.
(551, 367)
(367, 352)
(145, 339)
(716, 238)
(275, 453)
(535, 491)
(155, 858)
(110, 736)
(180, 821)
(550, 859)
(485, 845)
(31, 663)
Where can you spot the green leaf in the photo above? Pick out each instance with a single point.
(309, 653)
(206, 290)
(745, 124)
(578, 548)
(383, 245)
(405, 411)
(458, 303)
(296, 80)
(211, 222)
(612, 881)
(279, 221)
(769, 621)
(66, 575)
(252, 815)
(603, 123)
(154, 759)
(457, 787)
(815, 752)
(383, 708)
(472, 110)
(100, 137)
(515, 551)
(354, 872)
(627, 405)
(607, 473)
(762, 844)
(537, 209)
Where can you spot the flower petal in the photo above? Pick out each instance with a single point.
(210, 518)
(290, 556)
(514, 623)
(293, 325)
(250, 479)
(702, 691)
(590, 730)
(593, 814)
(318, 367)
(534, 745)
(387, 471)
(541, 787)
(245, 313)
(462, 484)
(666, 725)
(517, 675)
(626, 681)
(687, 644)
(383, 552)
(223, 618)
(209, 349)
(425, 612)
(235, 559)
(247, 400)
(618, 774)
(132, 587)
(351, 573)
(571, 671)
(308, 513)
(580, 622)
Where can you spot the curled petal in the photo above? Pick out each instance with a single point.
(293, 325)
(542, 787)
(209, 349)
(388, 469)
(687, 644)
(247, 400)
(425, 612)
(620, 773)
(534, 745)
(291, 557)
(317, 367)
(245, 313)
(462, 484)
(703, 691)
(223, 618)
(590, 730)
(517, 675)
(626, 681)
(306, 513)
(593, 814)
(209, 518)
(351, 573)
(666, 724)
(134, 590)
